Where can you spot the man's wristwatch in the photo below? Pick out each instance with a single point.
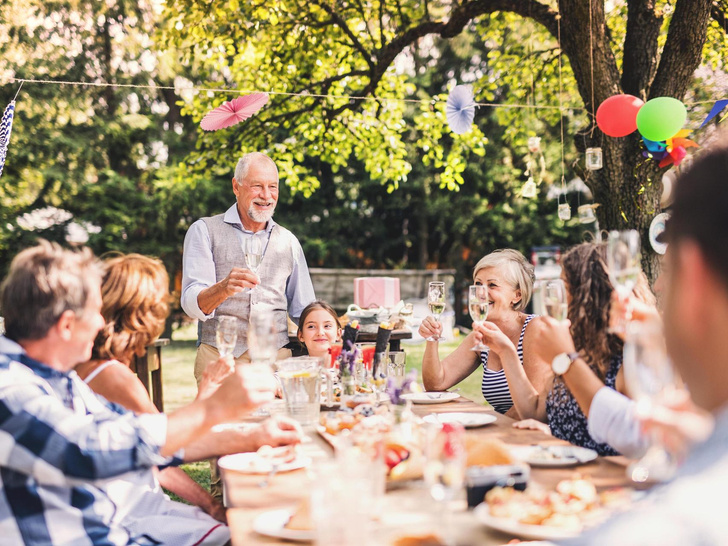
(561, 362)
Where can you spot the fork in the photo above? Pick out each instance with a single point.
(273, 470)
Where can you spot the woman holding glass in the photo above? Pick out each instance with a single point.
(586, 338)
(509, 280)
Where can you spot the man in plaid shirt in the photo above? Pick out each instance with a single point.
(71, 463)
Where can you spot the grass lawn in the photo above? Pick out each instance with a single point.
(180, 388)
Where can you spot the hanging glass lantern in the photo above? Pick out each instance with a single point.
(529, 190)
(593, 159)
(564, 212)
(586, 214)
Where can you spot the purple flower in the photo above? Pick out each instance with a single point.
(347, 359)
(395, 391)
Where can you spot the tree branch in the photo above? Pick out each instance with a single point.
(345, 28)
(683, 48)
(640, 47)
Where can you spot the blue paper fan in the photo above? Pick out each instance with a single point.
(460, 109)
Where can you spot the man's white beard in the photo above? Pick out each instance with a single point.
(260, 216)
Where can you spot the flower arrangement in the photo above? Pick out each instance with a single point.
(347, 360)
(396, 388)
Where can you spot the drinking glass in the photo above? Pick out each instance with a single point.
(397, 364)
(554, 299)
(301, 383)
(478, 306)
(253, 251)
(262, 337)
(652, 381)
(226, 335)
(379, 378)
(445, 466)
(436, 302)
(623, 261)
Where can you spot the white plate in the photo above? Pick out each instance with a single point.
(431, 397)
(553, 456)
(252, 463)
(468, 420)
(521, 530)
(272, 524)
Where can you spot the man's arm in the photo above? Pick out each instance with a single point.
(612, 421)
(201, 295)
(299, 290)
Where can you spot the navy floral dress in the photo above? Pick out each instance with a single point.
(566, 419)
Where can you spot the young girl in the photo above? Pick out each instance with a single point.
(318, 328)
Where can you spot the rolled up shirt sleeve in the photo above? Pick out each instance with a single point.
(53, 443)
(198, 269)
(299, 290)
(612, 421)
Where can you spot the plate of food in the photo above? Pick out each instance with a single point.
(431, 397)
(536, 514)
(286, 524)
(468, 420)
(553, 455)
(284, 459)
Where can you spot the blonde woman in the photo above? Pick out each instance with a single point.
(509, 278)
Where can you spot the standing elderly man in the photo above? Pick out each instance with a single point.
(688, 510)
(215, 278)
(75, 469)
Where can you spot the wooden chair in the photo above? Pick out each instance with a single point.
(149, 365)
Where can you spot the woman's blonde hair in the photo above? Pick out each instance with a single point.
(135, 294)
(517, 270)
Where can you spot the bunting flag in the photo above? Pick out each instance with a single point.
(717, 109)
(6, 126)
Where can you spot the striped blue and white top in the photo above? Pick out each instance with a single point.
(495, 386)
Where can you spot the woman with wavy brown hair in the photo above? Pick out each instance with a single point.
(135, 293)
(585, 337)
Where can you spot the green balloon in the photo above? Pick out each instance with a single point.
(661, 118)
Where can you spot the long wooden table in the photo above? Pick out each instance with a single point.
(245, 500)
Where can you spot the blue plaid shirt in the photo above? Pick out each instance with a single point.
(59, 445)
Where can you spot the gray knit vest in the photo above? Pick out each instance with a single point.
(275, 269)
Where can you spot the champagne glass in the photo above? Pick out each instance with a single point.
(445, 466)
(652, 381)
(253, 251)
(436, 302)
(554, 299)
(623, 261)
(262, 337)
(478, 304)
(226, 335)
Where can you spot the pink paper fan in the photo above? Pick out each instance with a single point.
(233, 112)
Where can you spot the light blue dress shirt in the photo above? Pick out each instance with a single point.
(198, 268)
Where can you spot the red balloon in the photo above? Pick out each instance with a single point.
(617, 116)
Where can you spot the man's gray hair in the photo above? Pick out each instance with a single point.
(241, 169)
(43, 282)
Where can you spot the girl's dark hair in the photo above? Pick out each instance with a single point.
(311, 307)
(587, 279)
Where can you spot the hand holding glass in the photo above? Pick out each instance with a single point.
(478, 305)
(436, 302)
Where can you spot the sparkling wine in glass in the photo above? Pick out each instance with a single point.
(253, 251)
(478, 305)
(226, 335)
(445, 457)
(623, 261)
(554, 299)
(436, 302)
(652, 381)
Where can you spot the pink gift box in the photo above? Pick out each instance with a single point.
(376, 292)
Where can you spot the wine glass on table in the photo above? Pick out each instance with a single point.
(554, 299)
(436, 302)
(623, 261)
(652, 381)
(253, 251)
(445, 458)
(226, 335)
(478, 305)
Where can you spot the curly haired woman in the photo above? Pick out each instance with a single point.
(586, 337)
